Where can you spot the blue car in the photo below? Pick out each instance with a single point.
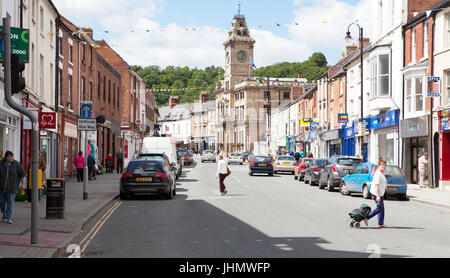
(360, 179)
(261, 165)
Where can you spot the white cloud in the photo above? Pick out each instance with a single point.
(202, 48)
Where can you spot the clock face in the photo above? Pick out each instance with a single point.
(242, 56)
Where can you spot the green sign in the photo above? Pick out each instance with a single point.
(19, 43)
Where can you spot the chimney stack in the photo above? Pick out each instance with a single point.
(351, 48)
(88, 31)
(366, 42)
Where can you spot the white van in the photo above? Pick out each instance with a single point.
(164, 145)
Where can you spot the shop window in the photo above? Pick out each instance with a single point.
(286, 95)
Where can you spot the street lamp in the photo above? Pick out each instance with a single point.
(348, 38)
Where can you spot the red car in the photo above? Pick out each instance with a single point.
(303, 164)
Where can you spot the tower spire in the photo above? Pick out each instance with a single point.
(239, 15)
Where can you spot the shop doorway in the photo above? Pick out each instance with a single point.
(418, 147)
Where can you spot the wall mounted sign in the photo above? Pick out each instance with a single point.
(433, 86)
(47, 120)
(342, 118)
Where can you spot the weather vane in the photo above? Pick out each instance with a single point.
(239, 6)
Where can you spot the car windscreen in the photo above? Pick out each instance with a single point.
(235, 154)
(261, 159)
(349, 161)
(207, 152)
(393, 171)
(308, 161)
(289, 158)
(318, 162)
(145, 166)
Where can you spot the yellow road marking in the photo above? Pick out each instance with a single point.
(98, 226)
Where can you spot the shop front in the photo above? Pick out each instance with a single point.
(348, 141)
(415, 140)
(384, 137)
(444, 147)
(9, 134)
(300, 143)
(70, 147)
(333, 141)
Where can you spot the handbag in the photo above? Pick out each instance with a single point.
(228, 172)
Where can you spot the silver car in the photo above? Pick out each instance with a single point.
(284, 163)
(208, 156)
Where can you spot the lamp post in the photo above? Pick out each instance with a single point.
(348, 39)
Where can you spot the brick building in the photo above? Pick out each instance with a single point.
(129, 99)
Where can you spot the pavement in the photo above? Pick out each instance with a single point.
(55, 234)
(431, 196)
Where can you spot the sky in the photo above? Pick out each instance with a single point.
(192, 33)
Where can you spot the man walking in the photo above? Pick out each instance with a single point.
(11, 174)
(119, 156)
(423, 169)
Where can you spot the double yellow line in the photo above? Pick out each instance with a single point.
(93, 232)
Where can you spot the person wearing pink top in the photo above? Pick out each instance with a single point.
(79, 164)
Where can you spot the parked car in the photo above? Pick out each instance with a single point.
(285, 163)
(235, 158)
(337, 167)
(301, 167)
(312, 173)
(360, 181)
(185, 155)
(163, 145)
(176, 170)
(261, 165)
(150, 176)
(208, 156)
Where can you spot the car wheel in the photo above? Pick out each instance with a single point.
(311, 181)
(321, 184)
(169, 195)
(343, 189)
(305, 178)
(251, 174)
(330, 186)
(271, 175)
(402, 197)
(366, 192)
(295, 177)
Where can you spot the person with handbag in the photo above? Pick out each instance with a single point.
(222, 173)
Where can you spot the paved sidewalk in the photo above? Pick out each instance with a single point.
(428, 196)
(56, 234)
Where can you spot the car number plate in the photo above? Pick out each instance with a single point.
(261, 165)
(286, 163)
(392, 188)
(143, 179)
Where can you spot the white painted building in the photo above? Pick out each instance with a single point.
(10, 120)
(284, 127)
(176, 122)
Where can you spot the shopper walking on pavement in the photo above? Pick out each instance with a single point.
(222, 173)
(423, 169)
(377, 190)
(11, 174)
(119, 156)
(79, 164)
(91, 166)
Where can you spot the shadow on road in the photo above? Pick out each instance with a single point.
(186, 228)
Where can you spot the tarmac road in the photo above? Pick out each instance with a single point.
(260, 217)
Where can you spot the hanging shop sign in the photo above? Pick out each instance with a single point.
(445, 126)
(47, 120)
(342, 118)
(433, 86)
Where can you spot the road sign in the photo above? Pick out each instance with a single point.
(19, 43)
(86, 109)
(87, 124)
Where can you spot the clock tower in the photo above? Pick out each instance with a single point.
(238, 53)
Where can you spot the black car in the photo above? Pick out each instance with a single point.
(337, 167)
(176, 170)
(150, 176)
(312, 173)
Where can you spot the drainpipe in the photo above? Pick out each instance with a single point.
(431, 169)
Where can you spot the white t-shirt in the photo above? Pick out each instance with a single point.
(379, 179)
(221, 167)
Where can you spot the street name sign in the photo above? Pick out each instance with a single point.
(19, 43)
(87, 124)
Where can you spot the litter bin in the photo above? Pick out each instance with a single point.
(56, 195)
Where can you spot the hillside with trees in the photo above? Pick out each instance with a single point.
(189, 83)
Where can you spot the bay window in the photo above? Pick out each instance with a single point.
(414, 101)
(380, 76)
